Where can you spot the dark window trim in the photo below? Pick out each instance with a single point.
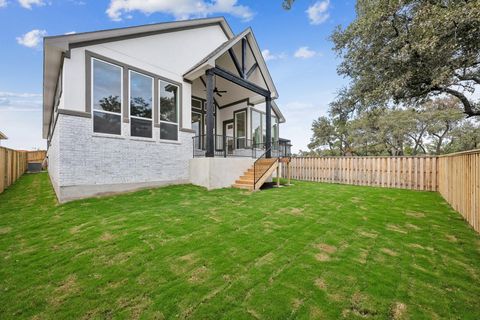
(224, 134)
(261, 122)
(203, 111)
(129, 94)
(251, 124)
(179, 106)
(126, 67)
(121, 114)
(246, 120)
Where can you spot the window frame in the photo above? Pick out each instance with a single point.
(92, 95)
(252, 110)
(263, 116)
(130, 71)
(245, 128)
(177, 106)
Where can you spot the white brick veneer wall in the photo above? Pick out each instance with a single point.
(53, 160)
(85, 158)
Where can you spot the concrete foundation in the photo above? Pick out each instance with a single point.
(216, 173)
(69, 193)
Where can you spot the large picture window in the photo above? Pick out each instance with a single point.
(141, 100)
(106, 97)
(168, 111)
(259, 127)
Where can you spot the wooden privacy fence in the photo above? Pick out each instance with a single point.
(455, 176)
(36, 156)
(14, 163)
(459, 184)
(417, 173)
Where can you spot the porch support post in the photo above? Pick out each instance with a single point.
(268, 123)
(210, 142)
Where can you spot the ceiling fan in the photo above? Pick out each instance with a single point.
(218, 92)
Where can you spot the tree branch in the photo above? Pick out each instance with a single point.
(467, 106)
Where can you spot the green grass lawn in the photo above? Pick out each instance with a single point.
(309, 251)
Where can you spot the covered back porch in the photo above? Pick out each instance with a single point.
(233, 109)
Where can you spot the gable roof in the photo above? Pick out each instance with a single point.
(209, 61)
(57, 47)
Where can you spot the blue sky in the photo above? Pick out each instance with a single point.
(299, 53)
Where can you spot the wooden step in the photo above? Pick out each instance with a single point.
(244, 181)
(243, 186)
(261, 170)
(266, 161)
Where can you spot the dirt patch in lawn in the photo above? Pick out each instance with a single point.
(415, 214)
(5, 230)
(189, 258)
(266, 259)
(393, 227)
(322, 257)
(316, 313)
(320, 283)
(360, 307)
(412, 226)
(389, 252)
(254, 314)
(356, 199)
(296, 304)
(68, 287)
(199, 275)
(451, 238)
(368, 234)
(326, 248)
(398, 311)
(296, 211)
(136, 305)
(292, 211)
(120, 258)
(107, 236)
(326, 251)
(419, 246)
(363, 256)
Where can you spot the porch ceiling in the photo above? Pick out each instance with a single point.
(229, 57)
(234, 92)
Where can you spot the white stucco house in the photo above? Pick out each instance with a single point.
(167, 103)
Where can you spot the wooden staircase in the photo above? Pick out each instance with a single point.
(263, 169)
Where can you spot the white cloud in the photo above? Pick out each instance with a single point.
(27, 4)
(20, 102)
(6, 94)
(304, 53)
(71, 32)
(180, 9)
(32, 39)
(3, 3)
(318, 12)
(267, 55)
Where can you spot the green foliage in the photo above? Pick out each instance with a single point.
(435, 127)
(405, 51)
(308, 251)
(111, 103)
